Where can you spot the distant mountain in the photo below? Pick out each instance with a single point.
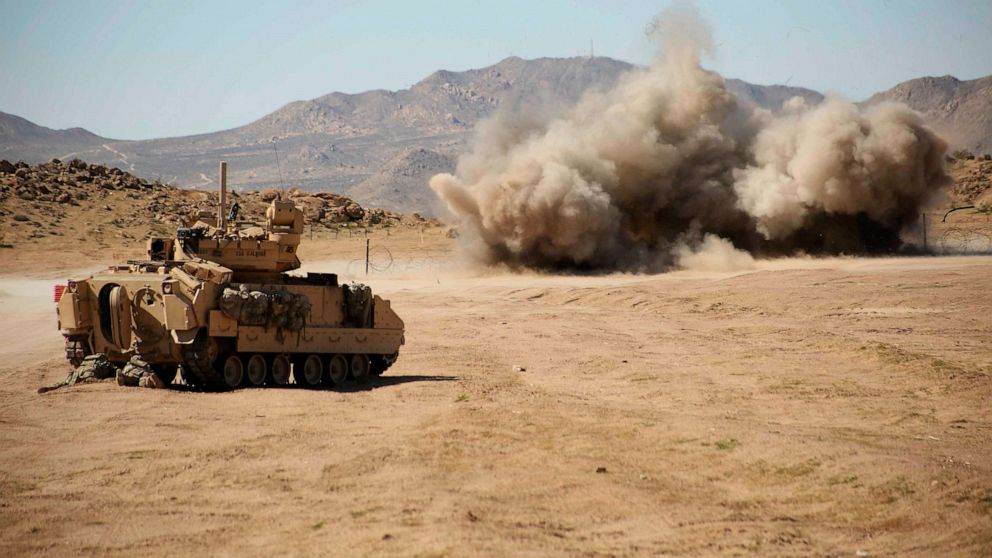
(771, 96)
(402, 182)
(340, 142)
(443, 103)
(381, 146)
(960, 111)
(22, 139)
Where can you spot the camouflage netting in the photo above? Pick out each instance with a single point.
(280, 309)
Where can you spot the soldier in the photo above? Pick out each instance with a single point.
(93, 369)
(138, 373)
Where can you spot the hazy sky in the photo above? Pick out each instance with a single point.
(142, 69)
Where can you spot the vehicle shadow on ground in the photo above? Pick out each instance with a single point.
(348, 387)
(386, 381)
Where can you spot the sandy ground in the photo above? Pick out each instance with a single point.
(805, 407)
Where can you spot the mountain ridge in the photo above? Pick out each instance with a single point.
(359, 143)
(959, 110)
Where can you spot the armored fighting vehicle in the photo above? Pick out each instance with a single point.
(217, 303)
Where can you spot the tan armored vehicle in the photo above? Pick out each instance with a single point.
(217, 303)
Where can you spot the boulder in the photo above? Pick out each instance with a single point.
(375, 216)
(336, 215)
(354, 211)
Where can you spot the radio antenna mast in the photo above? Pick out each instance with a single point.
(279, 167)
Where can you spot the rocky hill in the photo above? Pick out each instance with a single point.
(371, 146)
(972, 181)
(21, 139)
(961, 111)
(76, 202)
(771, 96)
(402, 182)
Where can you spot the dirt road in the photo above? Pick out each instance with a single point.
(808, 407)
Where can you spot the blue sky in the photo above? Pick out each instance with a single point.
(143, 69)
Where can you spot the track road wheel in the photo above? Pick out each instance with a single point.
(233, 371)
(308, 373)
(381, 363)
(337, 369)
(257, 370)
(281, 367)
(360, 367)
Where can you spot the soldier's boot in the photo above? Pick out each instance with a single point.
(151, 381)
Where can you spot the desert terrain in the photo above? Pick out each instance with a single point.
(651, 309)
(836, 406)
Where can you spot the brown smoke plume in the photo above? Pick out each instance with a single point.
(637, 177)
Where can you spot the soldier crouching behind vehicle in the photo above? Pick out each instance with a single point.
(94, 368)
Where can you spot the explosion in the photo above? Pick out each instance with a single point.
(638, 177)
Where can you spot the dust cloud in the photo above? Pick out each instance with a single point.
(636, 177)
(712, 254)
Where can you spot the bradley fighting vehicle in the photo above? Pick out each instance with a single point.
(217, 303)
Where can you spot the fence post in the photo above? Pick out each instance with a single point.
(366, 256)
(925, 249)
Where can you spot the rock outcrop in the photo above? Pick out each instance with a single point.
(81, 200)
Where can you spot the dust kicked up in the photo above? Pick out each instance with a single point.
(668, 164)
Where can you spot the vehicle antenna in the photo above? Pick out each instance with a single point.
(279, 168)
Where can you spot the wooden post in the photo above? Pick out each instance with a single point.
(366, 256)
(925, 233)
